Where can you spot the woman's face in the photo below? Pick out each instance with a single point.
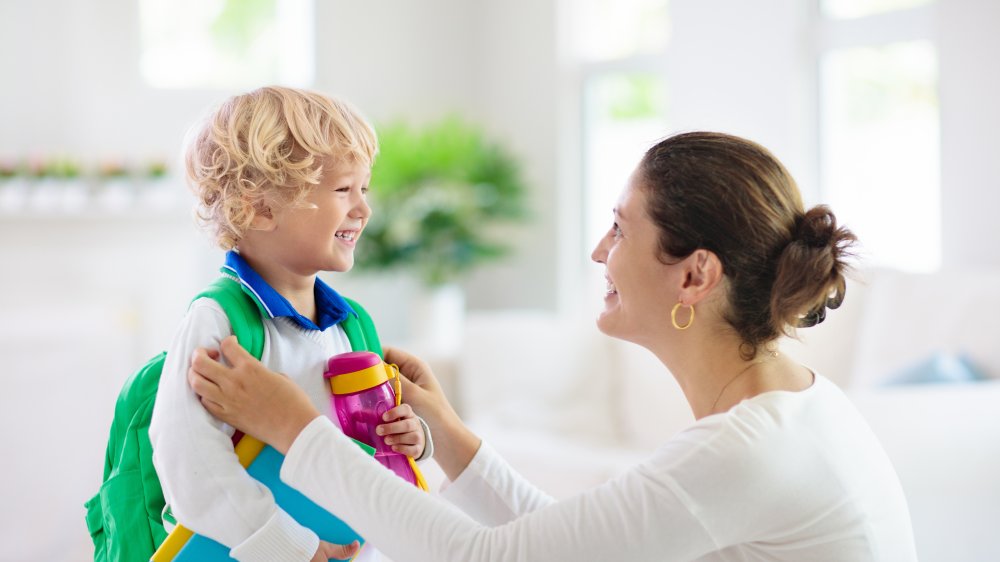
(639, 293)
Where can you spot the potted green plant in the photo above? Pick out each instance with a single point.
(156, 188)
(45, 186)
(437, 190)
(12, 187)
(117, 189)
(71, 186)
(155, 170)
(7, 171)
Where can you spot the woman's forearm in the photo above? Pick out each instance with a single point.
(454, 446)
(636, 518)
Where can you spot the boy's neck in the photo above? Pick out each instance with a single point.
(300, 290)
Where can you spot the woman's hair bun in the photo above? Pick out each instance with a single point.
(816, 227)
(811, 268)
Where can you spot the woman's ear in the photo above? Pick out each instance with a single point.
(702, 273)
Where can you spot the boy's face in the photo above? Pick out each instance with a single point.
(321, 234)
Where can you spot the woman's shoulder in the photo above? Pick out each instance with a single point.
(771, 425)
(777, 459)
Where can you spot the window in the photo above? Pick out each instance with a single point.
(842, 9)
(226, 43)
(618, 47)
(605, 30)
(624, 115)
(879, 133)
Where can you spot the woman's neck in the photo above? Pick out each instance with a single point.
(714, 376)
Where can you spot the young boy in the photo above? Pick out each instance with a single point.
(281, 176)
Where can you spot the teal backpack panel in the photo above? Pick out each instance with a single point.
(266, 468)
(123, 528)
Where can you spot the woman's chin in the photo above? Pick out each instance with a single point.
(605, 319)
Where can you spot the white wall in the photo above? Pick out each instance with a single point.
(742, 68)
(970, 119)
(84, 303)
(71, 84)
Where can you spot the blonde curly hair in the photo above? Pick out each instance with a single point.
(266, 148)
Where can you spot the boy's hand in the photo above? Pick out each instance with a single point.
(328, 551)
(404, 433)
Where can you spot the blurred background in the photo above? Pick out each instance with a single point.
(508, 129)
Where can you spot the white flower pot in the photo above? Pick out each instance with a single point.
(437, 319)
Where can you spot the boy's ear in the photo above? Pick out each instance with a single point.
(263, 219)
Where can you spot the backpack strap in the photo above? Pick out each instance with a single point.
(244, 318)
(360, 330)
(124, 516)
(243, 312)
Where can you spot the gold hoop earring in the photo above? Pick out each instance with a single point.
(673, 317)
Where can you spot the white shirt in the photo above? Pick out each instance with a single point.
(204, 484)
(783, 476)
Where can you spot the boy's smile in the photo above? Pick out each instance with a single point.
(336, 211)
(319, 234)
(347, 236)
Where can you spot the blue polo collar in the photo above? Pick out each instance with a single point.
(331, 308)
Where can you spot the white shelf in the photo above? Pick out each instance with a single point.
(19, 202)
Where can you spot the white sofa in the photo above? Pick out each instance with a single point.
(570, 407)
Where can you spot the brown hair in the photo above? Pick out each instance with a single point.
(731, 196)
(267, 147)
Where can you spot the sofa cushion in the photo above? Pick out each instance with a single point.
(535, 371)
(908, 317)
(939, 367)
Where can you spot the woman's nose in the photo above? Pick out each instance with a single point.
(600, 253)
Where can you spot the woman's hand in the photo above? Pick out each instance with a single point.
(249, 396)
(454, 444)
(421, 389)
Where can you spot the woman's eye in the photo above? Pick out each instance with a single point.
(617, 230)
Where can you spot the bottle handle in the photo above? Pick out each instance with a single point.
(397, 386)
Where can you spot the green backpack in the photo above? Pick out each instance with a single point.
(125, 516)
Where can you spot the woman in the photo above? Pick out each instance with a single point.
(777, 466)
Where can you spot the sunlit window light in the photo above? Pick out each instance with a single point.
(845, 9)
(625, 114)
(616, 29)
(226, 44)
(880, 150)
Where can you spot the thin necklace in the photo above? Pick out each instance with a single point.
(770, 355)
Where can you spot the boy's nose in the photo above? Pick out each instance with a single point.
(362, 209)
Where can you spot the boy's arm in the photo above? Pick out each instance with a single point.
(207, 489)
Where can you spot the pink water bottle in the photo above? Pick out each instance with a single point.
(362, 386)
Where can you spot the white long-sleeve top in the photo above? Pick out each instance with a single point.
(783, 476)
(203, 482)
